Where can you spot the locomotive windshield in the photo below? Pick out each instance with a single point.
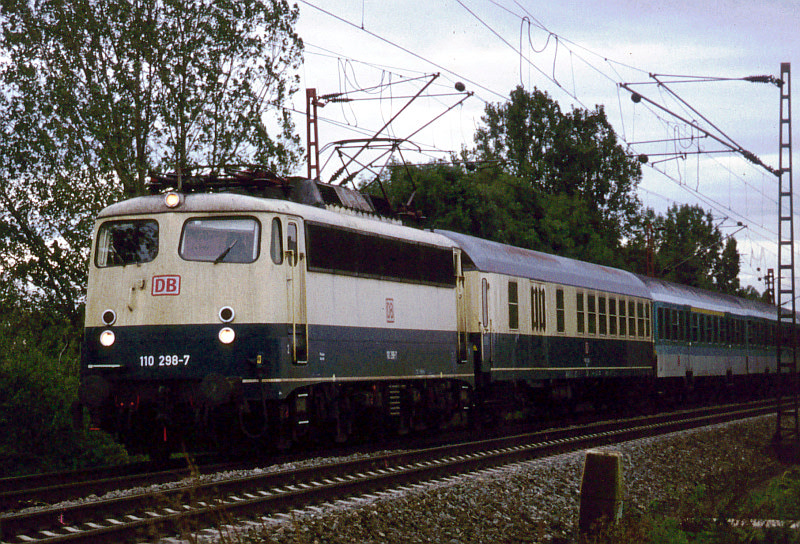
(121, 243)
(217, 240)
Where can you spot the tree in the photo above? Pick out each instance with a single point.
(485, 202)
(575, 156)
(726, 269)
(96, 93)
(48, 200)
(690, 250)
(158, 83)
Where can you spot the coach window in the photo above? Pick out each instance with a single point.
(513, 306)
(662, 333)
(640, 308)
(560, 325)
(591, 314)
(579, 313)
(623, 320)
(631, 318)
(676, 325)
(542, 309)
(612, 316)
(538, 308)
(602, 315)
(723, 330)
(684, 325)
(485, 302)
(276, 242)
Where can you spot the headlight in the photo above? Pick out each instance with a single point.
(226, 314)
(107, 338)
(109, 317)
(172, 200)
(226, 335)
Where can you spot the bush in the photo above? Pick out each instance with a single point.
(38, 386)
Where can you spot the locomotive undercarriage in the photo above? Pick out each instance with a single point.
(222, 414)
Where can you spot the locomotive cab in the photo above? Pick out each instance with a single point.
(190, 297)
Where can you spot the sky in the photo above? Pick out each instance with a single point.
(579, 52)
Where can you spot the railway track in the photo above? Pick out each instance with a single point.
(187, 508)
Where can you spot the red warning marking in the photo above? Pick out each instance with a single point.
(390, 310)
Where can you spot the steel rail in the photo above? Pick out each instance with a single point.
(183, 510)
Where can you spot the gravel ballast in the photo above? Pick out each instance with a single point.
(536, 501)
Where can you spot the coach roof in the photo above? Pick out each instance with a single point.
(514, 261)
(683, 295)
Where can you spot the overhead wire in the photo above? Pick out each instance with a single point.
(612, 66)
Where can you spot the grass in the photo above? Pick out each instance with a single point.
(727, 510)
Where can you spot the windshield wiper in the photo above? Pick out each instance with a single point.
(225, 252)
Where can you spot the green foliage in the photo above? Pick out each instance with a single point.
(538, 178)
(95, 94)
(38, 386)
(780, 499)
(158, 83)
(689, 249)
(574, 156)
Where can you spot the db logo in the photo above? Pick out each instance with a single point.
(166, 285)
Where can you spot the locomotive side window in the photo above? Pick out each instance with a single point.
(276, 242)
(342, 251)
(220, 239)
(291, 242)
(121, 243)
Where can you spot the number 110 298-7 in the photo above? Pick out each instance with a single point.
(163, 360)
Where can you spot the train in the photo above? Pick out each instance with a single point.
(248, 308)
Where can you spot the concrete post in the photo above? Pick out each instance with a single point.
(601, 488)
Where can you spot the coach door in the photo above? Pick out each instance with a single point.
(487, 348)
(295, 263)
(461, 308)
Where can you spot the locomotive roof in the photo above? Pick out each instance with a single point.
(674, 293)
(223, 203)
(514, 261)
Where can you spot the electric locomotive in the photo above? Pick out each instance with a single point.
(217, 314)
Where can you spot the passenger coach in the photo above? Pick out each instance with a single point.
(702, 336)
(554, 326)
